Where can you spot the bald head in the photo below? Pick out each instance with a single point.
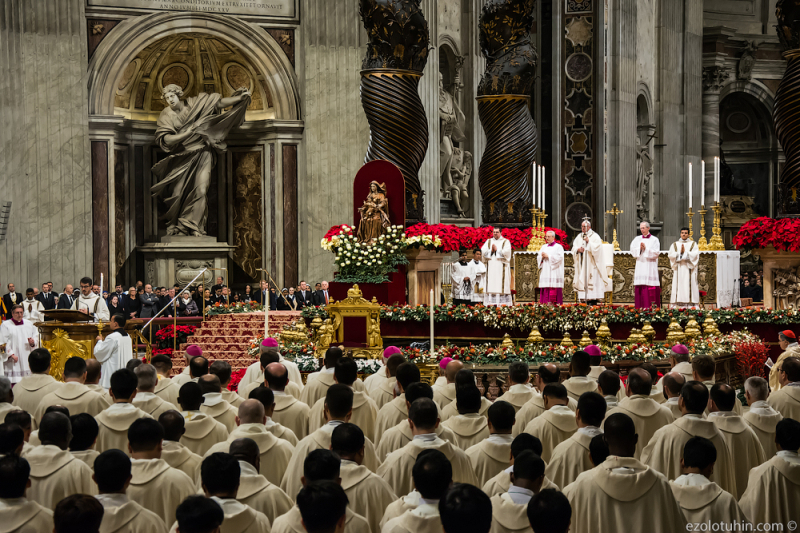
(452, 369)
(209, 384)
(92, 371)
(251, 412)
(246, 450)
(620, 435)
(673, 383)
(276, 376)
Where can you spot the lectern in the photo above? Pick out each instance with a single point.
(66, 333)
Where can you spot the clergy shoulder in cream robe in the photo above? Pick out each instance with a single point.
(275, 453)
(763, 420)
(20, 515)
(469, 429)
(622, 494)
(180, 457)
(183, 378)
(553, 427)
(384, 392)
(444, 395)
(220, 410)
(121, 515)
(648, 416)
(201, 432)
(490, 457)
(113, 426)
(423, 519)
(292, 522)
(320, 439)
(518, 395)
(291, 413)
(257, 492)
(400, 506)
(502, 482)
(239, 518)
(571, 457)
(685, 289)
(498, 271)
(786, 401)
(153, 405)
(389, 416)
(254, 374)
(32, 310)
(94, 305)
(703, 501)
(76, 397)
(743, 445)
(451, 409)
(56, 474)
(400, 435)
(291, 389)
(232, 398)
(578, 385)
(599, 282)
(509, 516)
(158, 487)
(364, 414)
(87, 456)
(396, 470)
(30, 391)
(373, 381)
(773, 490)
(318, 383)
(793, 350)
(15, 337)
(113, 353)
(532, 409)
(369, 495)
(665, 449)
(167, 390)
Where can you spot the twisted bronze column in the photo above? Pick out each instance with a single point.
(503, 98)
(786, 113)
(396, 56)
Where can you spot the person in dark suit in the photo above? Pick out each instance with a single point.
(67, 298)
(288, 302)
(260, 294)
(131, 304)
(47, 297)
(304, 296)
(149, 303)
(217, 286)
(321, 297)
(225, 296)
(11, 299)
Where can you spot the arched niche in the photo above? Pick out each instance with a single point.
(645, 131)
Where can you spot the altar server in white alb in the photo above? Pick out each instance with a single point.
(462, 278)
(114, 351)
(684, 257)
(90, 303)
(497, 256)
(551, 271)
(21, 338)
(646, 281)
(479, 269)
(592, 271)
(32, 308)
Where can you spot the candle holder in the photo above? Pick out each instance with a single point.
(534, 244)
(716, 241)
(690, 214)
(615, 212)
(541, 215)
(702, 244)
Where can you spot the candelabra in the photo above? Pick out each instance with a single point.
(690, 214)
(702, 244)
(542, 216)
(537, 230)
(716, 241)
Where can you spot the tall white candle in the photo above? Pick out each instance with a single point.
(535, 191)
(716, 179)
(431, 309)
(265, 303)
(541, 185)
(690, 186)
(702, 183)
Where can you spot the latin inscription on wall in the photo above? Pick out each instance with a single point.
(263, 8)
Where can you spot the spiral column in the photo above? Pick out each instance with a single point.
(786, 116)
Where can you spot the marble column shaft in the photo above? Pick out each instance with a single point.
(429, 174)
(710, 151)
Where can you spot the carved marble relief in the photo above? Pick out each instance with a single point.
(247, 217)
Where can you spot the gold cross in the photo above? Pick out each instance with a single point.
(614, 212)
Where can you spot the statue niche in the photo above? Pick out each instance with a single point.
(456, 163)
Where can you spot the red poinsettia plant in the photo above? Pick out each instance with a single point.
(751, 356)
(455, 238)
(236, 377)
(781, 233)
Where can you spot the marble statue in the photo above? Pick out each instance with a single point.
(374, 213)
(451, 120)
(747, 61)
(460, 175)
(644, 174)
(192, 131)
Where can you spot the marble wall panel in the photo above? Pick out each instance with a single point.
(247, 213)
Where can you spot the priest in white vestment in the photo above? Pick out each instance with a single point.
(479, 269)
(551, 271)
(646, 280)
(114, 351)
(20, 337)
(32, 309)
(509, 510)
(592, 271)
(497, 257)
(684, 258)
(90, 303)
(462, 278)
(761, 417)
(571, 457)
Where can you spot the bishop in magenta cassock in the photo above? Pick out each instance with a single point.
(646, 281)
(551, 271)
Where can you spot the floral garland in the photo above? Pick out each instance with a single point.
(571, 316)
(165, 336)
(455, 238)
(781, 233)
(489, 354)
(369, 262)
(234, 308)
(303, 355)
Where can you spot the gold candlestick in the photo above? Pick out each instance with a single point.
(614, 211)
(542, 234)
(690, 214)
(702, 244)
(716, 241)
(534, 244)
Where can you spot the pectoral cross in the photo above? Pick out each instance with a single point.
(615, 212)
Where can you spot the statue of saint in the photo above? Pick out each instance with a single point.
(374, 213)
(451, 120)
(460, 174)
(644, 174)
(192, 132)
